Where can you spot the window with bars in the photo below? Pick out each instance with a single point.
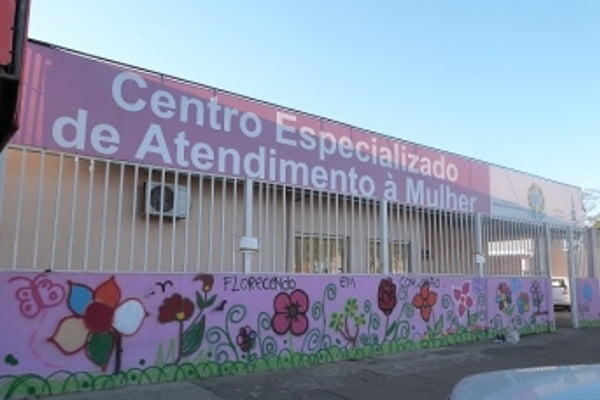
(399, 253)
(320, 255)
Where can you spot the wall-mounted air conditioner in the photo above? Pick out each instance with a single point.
(166, 200)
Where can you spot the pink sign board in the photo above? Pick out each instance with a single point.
(85, 106)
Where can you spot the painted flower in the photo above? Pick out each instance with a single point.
(336, 321)
(351, 307)
(537, 296)
(523, 303)
(360, 320)
(463, 298)
(516, 284)
(386, 296)
(290, 313)
(535, 288)
(246, 339)
(98, 322)
(588, 293)
(208, 280)
(503, 296)
(424, 301)
(175, 308)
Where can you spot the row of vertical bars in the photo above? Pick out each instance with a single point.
(63, 212)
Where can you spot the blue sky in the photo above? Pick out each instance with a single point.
(512, 82)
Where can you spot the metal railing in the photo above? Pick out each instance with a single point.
(65, 212)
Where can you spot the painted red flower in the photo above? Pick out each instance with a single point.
(290, 313)
(386, 296)
(463, 298)
(175, 308)
(424, 301)
(208, 280)
(246, 339)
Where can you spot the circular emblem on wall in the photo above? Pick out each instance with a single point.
(535, 196)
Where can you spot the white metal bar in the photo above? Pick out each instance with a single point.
(186, 226)
(19, 209)
(147, 188)
(161, 220)
(248, 227)
(321, 245)
(76, 167)
(261, 222)
(464, 243)
(234, 231)
(291, 233)
(311, 242)
(104, 212)
(186, 223)
(572, 279)
(479, 245)
(384, 234)
(57, 202)
(444, 239)
(454, 240)
(174, 221)
(134, 213)
(222, 223)
(284, 232)
(420, 237)
(119, 216)
(89, 216)
(302, 229)
(407, 234)
(199, 224)
(338, 235)
(211, 223)
(271, 230)
(38, 214)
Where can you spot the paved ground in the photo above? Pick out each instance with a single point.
(425, 374)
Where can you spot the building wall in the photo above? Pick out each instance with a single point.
(94, 331)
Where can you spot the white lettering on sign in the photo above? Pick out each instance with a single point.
(130, 91)
(71, 133)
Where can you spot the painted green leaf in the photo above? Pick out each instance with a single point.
(99, 348)
(200, 301)
(439, 325)
(210, 301)
(391, 328)
(430, 332)
(192, 337)
(473, 319)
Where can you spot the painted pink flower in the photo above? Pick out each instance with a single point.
(290, 313)
(463, 298)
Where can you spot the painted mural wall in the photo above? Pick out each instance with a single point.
(588, 304)
(68, 332)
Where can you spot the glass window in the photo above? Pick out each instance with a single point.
(314, 254)
(399, 256)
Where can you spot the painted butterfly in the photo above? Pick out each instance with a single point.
(39, 293)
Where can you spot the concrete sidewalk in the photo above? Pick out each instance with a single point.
(425, 374)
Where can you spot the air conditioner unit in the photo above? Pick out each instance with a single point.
(166, 200)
